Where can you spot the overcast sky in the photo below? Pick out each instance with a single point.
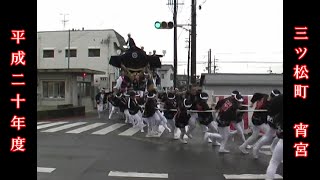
(236, 30)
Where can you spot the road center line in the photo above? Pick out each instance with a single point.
(45, 170)
(249, 176)
(136, 174)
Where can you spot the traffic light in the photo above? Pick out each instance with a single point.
(163, 25)
(84, 75)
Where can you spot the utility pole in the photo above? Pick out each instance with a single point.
(189, 47)
(175, 5)
(193, 41)
(214, 64)
(209, 61)
(175, 44)
(69, 39)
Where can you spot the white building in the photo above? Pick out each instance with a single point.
(90, 52)
(89, 49)
(246, 84)
(166, 75)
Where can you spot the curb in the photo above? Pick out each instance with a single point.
(88, 115)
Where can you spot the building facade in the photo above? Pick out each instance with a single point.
(66, 87)
(166, 75)
(89, 49)
(76, 79)
(246, 84)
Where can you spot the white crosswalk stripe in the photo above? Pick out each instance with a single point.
(86, 128)
(50, 125)
(131, 131)
(67, 126)
(105, 130)
(108, 129)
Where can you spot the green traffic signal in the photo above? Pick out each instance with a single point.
(157, 25)
(163, 25)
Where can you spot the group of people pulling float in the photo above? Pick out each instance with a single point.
(137, 98)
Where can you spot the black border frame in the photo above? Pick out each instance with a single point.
(17, 15)
(301, 13)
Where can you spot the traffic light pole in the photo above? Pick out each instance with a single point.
(175, 45)
(69, 49)
(193, 42)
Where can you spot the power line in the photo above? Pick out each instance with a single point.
(182, 30)
(244, 62)
(258, 62)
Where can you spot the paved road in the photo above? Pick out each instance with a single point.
(101, 149)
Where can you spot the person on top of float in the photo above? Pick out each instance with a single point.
(130, 42)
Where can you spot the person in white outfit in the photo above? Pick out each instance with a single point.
(271, 132)
(115, 101)
(259, 119)
(163, 119)
(238, 122)
(150, 116)
(101, 100)
(124, 108)
(134, 111)
(171, 103)
(227, 111)
(206, 120)
(182, 118)
(276, 112)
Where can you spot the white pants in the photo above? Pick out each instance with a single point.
(225, 133)
(127, 116)
(137, 119)
(163, 120)
(277, 157)
(192, 123)
(153, 123)
(183, 132)
(267, 137)
(112, 110)
(274, 143)
(213, 128)
(240, 130)
(100, 109)
(171, 123)
(255, 134)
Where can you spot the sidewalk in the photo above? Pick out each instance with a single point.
(87, 116)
